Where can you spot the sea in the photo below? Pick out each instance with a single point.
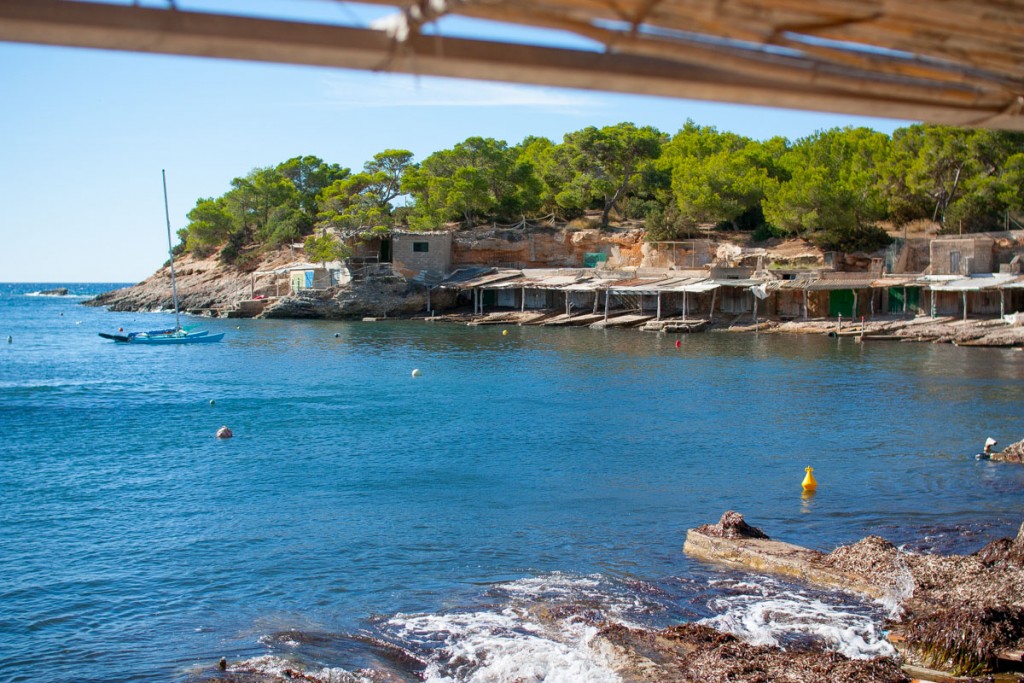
(369, 523)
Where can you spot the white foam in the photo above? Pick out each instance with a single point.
(774, 616)
(275, 666)
(504, 647)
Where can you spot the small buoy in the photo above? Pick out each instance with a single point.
(238, 327)
(223, 663)
(809, 482)
(336, 335)
(224, 433)
(504, 333)
(416, 372)
(120, 329)
(10, 339)
(212, 401)
(678, 343)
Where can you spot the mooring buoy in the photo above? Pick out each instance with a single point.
(809, 483)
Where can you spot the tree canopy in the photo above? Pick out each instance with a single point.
(835, 187)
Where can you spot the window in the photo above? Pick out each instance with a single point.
(421, 246)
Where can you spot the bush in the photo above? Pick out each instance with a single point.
(862, 238)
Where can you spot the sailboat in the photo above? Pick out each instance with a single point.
(176, 334)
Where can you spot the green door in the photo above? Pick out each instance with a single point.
(840, 302)
(896, 299)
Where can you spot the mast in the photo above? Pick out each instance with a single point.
(170, 252)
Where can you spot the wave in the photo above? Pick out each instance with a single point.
(771, 613)
(547, 629)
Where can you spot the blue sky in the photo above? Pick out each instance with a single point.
(85, 134)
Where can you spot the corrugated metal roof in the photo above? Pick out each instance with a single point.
(1014, 284)
(745, 282)
(975, 283)
(470, 280)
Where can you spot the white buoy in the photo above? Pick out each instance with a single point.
(416, 372)
(224, 433)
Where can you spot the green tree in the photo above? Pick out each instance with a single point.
(324, 248)
(716, 177)
(478, 178)
(209, 226)
(606, 163)
(834, 195)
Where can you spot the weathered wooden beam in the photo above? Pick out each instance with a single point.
(96, 25)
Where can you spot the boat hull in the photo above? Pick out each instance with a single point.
(191, 338)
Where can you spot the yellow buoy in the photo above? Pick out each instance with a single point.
(504, 333)
(809, 483)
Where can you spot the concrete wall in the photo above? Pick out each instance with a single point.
(422, 253)
(961, 256)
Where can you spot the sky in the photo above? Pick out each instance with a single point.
(84, 135)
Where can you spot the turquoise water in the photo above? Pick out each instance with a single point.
(363, 519)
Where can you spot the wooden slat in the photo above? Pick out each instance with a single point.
(643, 65)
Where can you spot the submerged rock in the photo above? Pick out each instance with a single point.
(694, 653)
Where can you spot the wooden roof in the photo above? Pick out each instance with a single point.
(944, 61)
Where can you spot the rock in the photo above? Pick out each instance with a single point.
(731, 526)
(59, 291)
(1012, 453)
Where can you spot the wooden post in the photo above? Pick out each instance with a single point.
(871, 311)
(904, 300)
(428, 299)
(963, 294)
(855, 307)
(522, 304)
(714, 295)
(684, 304)
(805, 305)
(606, 305)
(597, 300)
(755, 309)
(1002, 303)
(252, 285)
(567, 304)
(659, 306)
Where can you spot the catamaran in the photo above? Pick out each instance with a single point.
(176, 334)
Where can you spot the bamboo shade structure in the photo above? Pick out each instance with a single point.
(958, 62)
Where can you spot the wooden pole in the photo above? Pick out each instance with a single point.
(964, 296)
(606, 305)
(714, 294)
(1002, 304)
(904, 301)
(684, 304)
(659, 306)
(522, 304)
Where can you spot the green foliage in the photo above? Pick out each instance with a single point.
(835, 187)
(324, 248)
(606, 164)
(478, 179)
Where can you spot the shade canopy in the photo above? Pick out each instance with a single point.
(947, 61)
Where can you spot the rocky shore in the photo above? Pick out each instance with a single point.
(957, 615)
(953, 618)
